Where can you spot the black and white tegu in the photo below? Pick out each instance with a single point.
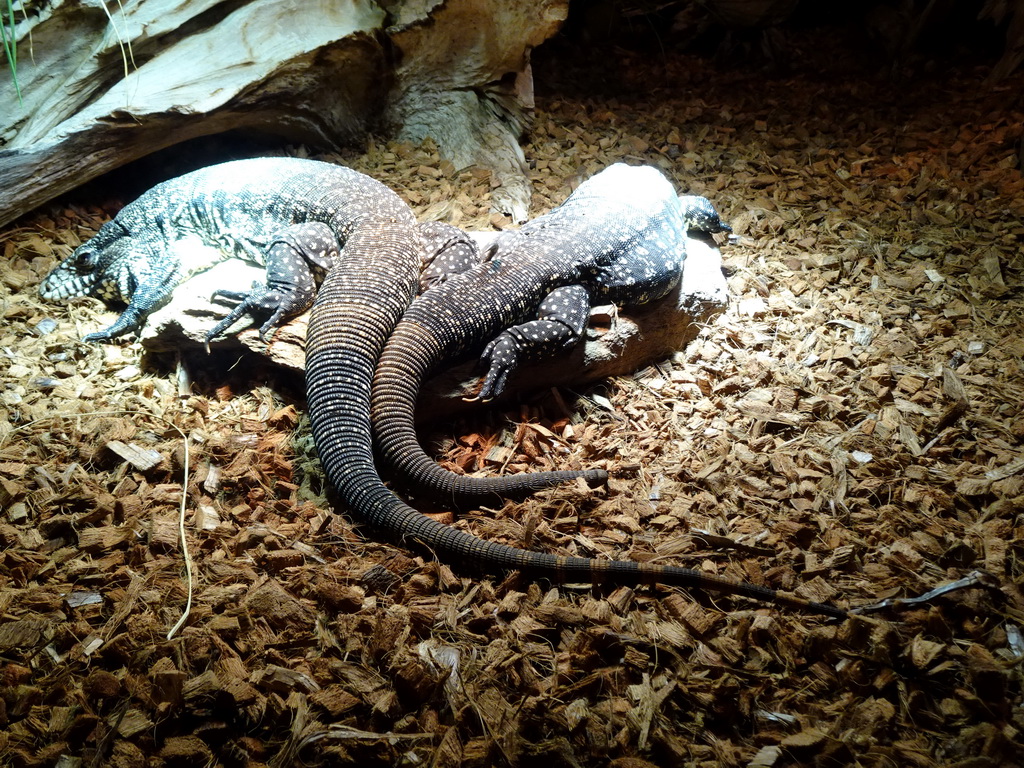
(294, 215)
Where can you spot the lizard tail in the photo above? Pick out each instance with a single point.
(342, 348)
(410, 353)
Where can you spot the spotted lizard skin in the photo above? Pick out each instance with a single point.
(517, 279)
(297, 259)
(300, 256)
(289, 214)
(362, 297)
(347, 332)
(620, 237)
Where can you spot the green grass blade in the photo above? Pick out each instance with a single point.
(10, 45)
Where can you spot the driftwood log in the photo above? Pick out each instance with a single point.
(618, 342)
(95, 91)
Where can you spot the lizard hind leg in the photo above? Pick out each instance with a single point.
(296, 258)
(448, 251)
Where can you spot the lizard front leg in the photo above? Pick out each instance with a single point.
(561, 319)
(148, 282)
(295, 259)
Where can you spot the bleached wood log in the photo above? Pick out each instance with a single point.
(98, 91)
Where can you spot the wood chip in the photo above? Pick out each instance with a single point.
(141, 458)
(852, 423)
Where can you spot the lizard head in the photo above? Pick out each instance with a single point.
(700, 215)
(100, 267)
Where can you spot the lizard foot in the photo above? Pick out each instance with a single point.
(259, 301)
(501, 357)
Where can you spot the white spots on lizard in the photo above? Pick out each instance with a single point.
(447, 251)
(191, 222)
(621, 235)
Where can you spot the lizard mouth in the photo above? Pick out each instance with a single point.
(65, 283)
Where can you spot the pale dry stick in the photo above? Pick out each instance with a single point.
(186, 555)
(347, 732)
(122, 42)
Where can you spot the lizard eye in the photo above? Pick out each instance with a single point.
(85, 259)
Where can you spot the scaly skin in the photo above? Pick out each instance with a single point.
(621, 236)
(349, 325)
(290, 214)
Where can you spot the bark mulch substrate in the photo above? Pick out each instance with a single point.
(850, 429)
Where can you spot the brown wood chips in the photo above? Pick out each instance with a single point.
(850, 429)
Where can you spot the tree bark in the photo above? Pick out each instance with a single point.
(99, 92)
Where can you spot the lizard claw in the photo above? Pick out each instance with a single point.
(261, 301)
(130, 320)
(502, 358)
(247, 302)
